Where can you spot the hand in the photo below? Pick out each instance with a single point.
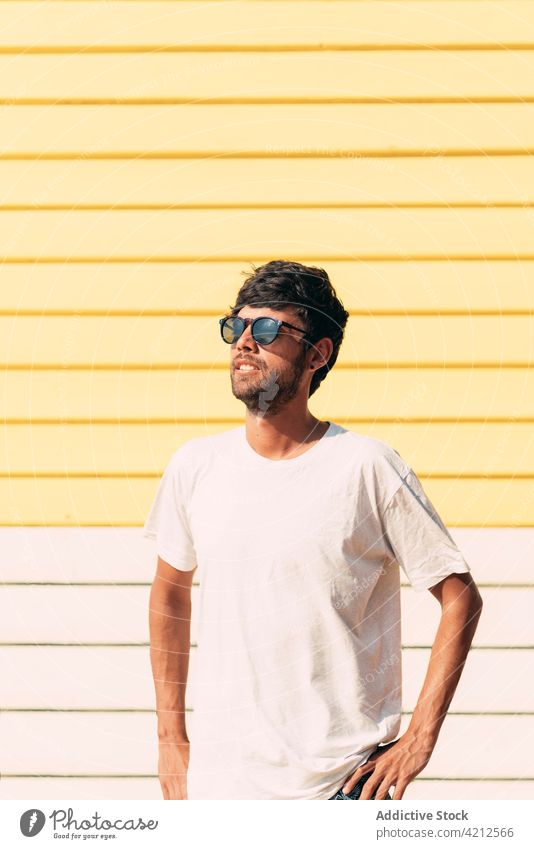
(396, 764)
(172, 768)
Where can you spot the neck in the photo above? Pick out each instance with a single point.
(283, 435)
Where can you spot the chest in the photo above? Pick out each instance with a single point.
(268, 523)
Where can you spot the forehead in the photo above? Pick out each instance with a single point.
(287, 314)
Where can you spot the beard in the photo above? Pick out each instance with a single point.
(265, 394)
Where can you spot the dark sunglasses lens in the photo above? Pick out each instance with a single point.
(265, 331)
(232, 329)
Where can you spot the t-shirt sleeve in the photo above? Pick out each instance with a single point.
(167, 521)
(420, 542)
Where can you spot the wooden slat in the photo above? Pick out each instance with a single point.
(80, 554)
(203, 395)
(114, 555)
(185, 341)
(503, 623)
(493, 681)
(188, 233)
(122, 744)
(117, 615)
(461, 790)
(467, 747)
(93, 678)
(80, 788)
(365, 287)
(234, 182)
(255, 76)
(186, 24)
(149, 788)
(266, 130)
(448, 449)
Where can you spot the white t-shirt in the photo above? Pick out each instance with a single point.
(297, 674)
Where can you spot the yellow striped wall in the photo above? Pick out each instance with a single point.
(150, 152)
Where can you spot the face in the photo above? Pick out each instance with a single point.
(278, 367)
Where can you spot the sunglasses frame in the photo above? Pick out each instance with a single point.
(252, 321)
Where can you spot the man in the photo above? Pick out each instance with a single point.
(298, 527)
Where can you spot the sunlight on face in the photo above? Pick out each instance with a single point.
(279, 366)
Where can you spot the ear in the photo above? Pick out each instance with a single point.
(322, 351)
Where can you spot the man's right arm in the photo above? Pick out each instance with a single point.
(170, 634)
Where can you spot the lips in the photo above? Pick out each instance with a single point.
(245, 366)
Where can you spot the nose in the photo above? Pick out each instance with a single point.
(246, 340)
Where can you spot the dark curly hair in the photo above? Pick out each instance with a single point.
(307, 290)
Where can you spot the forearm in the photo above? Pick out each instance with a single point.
(170, 630)
(459, 620)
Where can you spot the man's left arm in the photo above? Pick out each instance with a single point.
(403, 759)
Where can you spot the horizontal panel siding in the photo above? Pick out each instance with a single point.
(180, 341)
(203, 394)
(118, 744)
(436, 180)
(120, 679)
(503, 449)
(263, 76)
(369, 233)
(399, 287)
(116, 555)
(118, 615)
(262, 130)
(186, 25)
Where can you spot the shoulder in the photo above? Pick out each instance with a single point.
(377, 466)
(197, 452)
(373, 454)
(384, 456)
(388, 467)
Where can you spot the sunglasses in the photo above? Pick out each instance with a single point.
(264, 329)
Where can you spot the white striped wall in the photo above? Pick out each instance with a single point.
(77, 686)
